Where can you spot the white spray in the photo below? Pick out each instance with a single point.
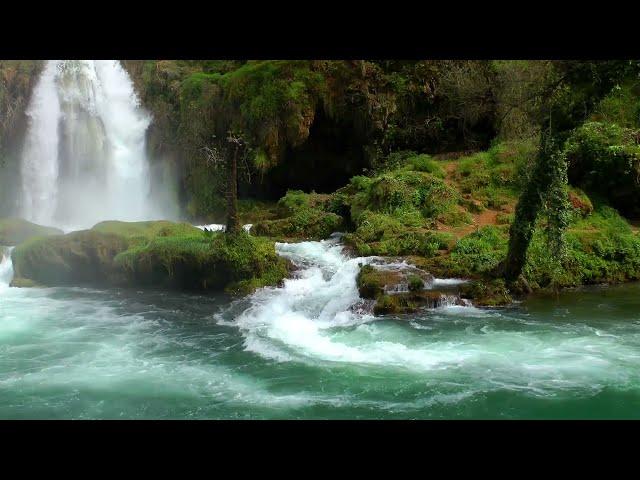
(6, 267)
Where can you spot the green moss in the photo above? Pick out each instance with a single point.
(496, 175)
(371, 281)
(456, 218)
(236, 263)
(16, 230)
(479, 252)
(405, 303)
(415, 283)
(147, 230)
(157, 254)
(24, 283)
(601, 248)
(306, 216)
(490, 293)
(424, 163)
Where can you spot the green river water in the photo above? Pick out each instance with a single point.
(306, 351)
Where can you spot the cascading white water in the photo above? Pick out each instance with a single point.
(84, 154)
(6, 267)
(307, 316)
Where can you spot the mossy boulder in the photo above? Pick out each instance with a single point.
(396, 291)
(403, 303)
(77, 258)
(372, 281)
(305, 224)
(154, 254)
(490, 293)
(303, 216)
(146, 230)
(236, 263)
(14, 231)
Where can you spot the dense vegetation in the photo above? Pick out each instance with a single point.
(519, 174)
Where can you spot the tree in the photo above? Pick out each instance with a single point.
(226, 154)
(566, 102)
(236, 144)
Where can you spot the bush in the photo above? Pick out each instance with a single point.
(605, 158)
(480, 251)
(305, 216)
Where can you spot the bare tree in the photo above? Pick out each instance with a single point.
(225, 154)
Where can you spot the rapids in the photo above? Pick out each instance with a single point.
(310, 350)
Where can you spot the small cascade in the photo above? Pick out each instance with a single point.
(453, 300)
(6, 267)
(437, 292)
(218, 227)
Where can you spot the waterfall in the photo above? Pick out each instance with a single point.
(84, 158)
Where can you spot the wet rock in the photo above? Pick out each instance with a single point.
(399, 288)
(487, 293)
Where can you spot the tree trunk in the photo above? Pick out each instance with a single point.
(233, 223)
(527, 209)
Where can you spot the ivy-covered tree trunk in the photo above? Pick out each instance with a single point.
(529, 205)
(233, 222)
(566, 104)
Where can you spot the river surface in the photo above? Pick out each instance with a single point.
(308, 351)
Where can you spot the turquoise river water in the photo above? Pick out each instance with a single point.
(309, 351)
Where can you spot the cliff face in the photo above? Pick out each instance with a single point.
(310, 125)
(17, 79)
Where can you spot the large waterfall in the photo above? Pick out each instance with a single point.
(84, 155)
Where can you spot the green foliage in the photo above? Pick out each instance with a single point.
(304, 215)
(147, 230)
(621, 106)
(456, 218)
(605, 158)
(415, 283)
(496, 175)
(480, 252)
(599, 248)
(158, 254)
(237, 263)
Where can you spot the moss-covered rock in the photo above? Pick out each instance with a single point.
(487, 293)
(155, 254)
(77, 258)
(23, 283)
(305, 224)
(395, 290)
(16, 230)
(303, 216)
(403, 303)
(146, 230)
(372, 281)
(237, 263)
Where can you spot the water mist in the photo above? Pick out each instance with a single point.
(84, 154)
